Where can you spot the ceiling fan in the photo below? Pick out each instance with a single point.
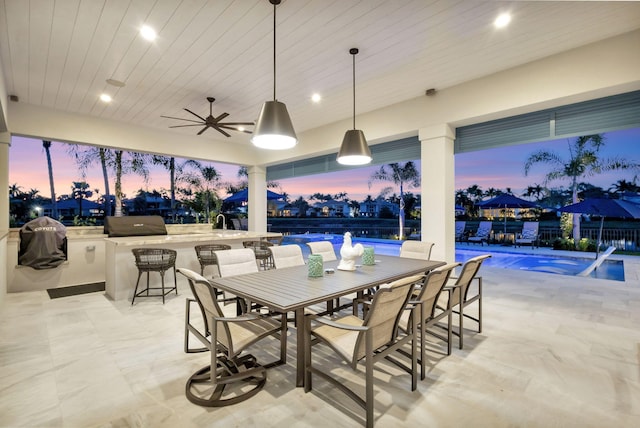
(212, 122)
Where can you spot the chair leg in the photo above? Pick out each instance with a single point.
(136, 289)
(175, 279)
(162, 281)
(461, 316)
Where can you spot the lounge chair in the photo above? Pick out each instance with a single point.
(460, 225)
(529, 235)
(482, 233)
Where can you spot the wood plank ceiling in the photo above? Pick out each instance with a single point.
(59, 53)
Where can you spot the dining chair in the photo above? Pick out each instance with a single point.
(284, 256)
(428, 312)
(416, 250)
(324, 248)
(230, 262)
(207, 257)
(461, 294)
(226, 339)
(370, 340)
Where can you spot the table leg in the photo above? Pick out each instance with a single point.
(300, 328)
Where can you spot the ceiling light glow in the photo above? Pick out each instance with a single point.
(502, 20)
(148, 33)
(106, 98)
(316, 98)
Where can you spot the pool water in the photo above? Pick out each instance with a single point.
(610, 269)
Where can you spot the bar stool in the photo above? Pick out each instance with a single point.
(154, 260)
(262, 252)
(207, 257)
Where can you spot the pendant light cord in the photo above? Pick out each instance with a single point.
(354, 89)
(274, 51)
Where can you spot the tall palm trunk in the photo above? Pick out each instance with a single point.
(54, 207)
(401, 214)
(172, 178)
(576, 217)
(118, 161)
(105, 175)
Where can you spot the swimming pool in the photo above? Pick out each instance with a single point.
(610, 269)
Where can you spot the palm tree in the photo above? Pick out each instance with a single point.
(54, 208)
(582, 162)
(205, 179)
(79, 191)
(125, 163)
(400, 175)
(14, 190)
(170, 165)
(86, 157)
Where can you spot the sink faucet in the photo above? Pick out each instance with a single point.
(224, 221)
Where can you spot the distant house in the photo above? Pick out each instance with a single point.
(372, 207)
(330, 208)
(70, 208)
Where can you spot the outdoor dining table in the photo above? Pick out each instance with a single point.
(292, 290)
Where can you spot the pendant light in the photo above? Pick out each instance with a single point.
(354, 149)
(273, 129)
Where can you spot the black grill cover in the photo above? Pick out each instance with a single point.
(43, 243)
(135, 225)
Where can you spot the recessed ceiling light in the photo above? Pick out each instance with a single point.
(502, 20)
(241, 128)
(148, 33)
(316, 98)
(106, 98)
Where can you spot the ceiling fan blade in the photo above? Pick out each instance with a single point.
(203, 129)
(234, 129)
(222, 116)
(196, 115)
(182, 126)
(226, 134)
(237, 123)
(179, 118)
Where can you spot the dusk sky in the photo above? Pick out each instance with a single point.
(497, 168)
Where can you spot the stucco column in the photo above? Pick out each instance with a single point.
(438, 190)
(5, 142)
(257, 199)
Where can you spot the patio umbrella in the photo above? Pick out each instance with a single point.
(507, 201)
(604, 208)
(243, 196)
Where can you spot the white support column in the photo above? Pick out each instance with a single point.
(257, 200)
(438, 190)
(5, 142)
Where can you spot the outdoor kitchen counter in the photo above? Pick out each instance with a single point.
(121, 272)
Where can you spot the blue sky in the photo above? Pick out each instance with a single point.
(498, 168)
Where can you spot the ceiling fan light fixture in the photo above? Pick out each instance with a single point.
(354, 149)
(274, 130)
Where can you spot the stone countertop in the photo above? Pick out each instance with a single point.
(220, 235)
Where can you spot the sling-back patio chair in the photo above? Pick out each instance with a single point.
(231, 376)
(286, 256)
(429, 313)
(462, 295)
(355, 340)
(324, 248)
(230, 262)
(482, 233)
(416, 250)
(529, 234)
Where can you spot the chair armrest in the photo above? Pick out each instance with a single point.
(340, 325)
(243, 317)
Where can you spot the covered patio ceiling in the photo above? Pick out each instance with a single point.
(58, 55)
